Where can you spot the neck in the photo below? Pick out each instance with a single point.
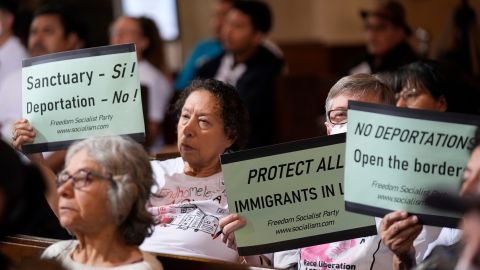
(3, 38)
(105, 248)
(201, 171)
(243, 56)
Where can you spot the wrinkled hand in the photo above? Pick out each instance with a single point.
(398, 231)
(229, 225)
(22, 133)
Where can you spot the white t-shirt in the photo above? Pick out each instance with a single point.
(12, 53)
(10, 102)
(159, 93)
(62, 252)
(187, 211)
(359, 253)
(159, 90)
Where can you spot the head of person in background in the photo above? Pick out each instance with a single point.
(220, 11)
(8, 9)
(21, 189)
(211, 121)
(385, 27)
(102, 193)
(245, 27)
(358, 87)
(55, 28)
(431, 85)
(144, 33)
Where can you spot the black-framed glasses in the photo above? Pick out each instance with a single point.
(408, 94)
(338, 116)
(81, 178)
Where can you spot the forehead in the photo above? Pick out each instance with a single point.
(202, 101)
(125, 22)
(47, 20)
(239, 17)
(81, 160)
(342, 99)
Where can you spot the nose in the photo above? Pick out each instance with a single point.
(401, 103)
(189, 127)
(66, 190)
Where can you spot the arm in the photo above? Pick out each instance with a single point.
(23, 133)
(398, 231)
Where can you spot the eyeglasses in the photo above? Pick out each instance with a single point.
(408, 94)
(81, 178)
(337, 116)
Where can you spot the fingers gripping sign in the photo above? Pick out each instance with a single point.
(22, 133)
(398, 231)
(229, 225)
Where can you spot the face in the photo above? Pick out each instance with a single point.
(128, 30)
(420, 98)
(382, 35)
(47, 36)
(341, 103)
(220, 11)
(6, 22)
(201, 135)
(238, 34)
(471, 176)
(84, 209)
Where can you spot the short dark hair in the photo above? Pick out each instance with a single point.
(9, 6)
(440, 79)
(259, 13)
(71, 23)
(233, 112)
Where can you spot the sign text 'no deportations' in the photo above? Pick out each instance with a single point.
(291, 196)
(78, 94)
(396, 157)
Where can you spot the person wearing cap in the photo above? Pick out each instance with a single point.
(249, 65)
(386, 39)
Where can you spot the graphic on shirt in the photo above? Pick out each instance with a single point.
(185, 217)
(337, 255)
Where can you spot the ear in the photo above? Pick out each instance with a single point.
(442, 104)
(73, 41)
(258, 37)
(143, 44)
(9, 18)
(329, 128)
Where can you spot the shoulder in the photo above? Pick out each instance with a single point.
(264, 57)
(59, 250)
(15, 46)
(151, 262)
(169, 166)
(147, 70)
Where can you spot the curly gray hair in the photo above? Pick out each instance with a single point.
(129, 165)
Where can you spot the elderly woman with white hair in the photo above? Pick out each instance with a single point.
(100, 197)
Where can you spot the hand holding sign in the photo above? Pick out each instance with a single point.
(83, 93)
(398, 231)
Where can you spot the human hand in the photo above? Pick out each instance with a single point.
(22, 133)
(398, 231)
(229, 225)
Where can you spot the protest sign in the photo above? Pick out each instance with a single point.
(83, 93)
(396, 156)
(291, 196)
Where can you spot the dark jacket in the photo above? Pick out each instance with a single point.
(257, 89)
(399, 56)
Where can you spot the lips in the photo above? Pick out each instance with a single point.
(66, 208)
(186, 147)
